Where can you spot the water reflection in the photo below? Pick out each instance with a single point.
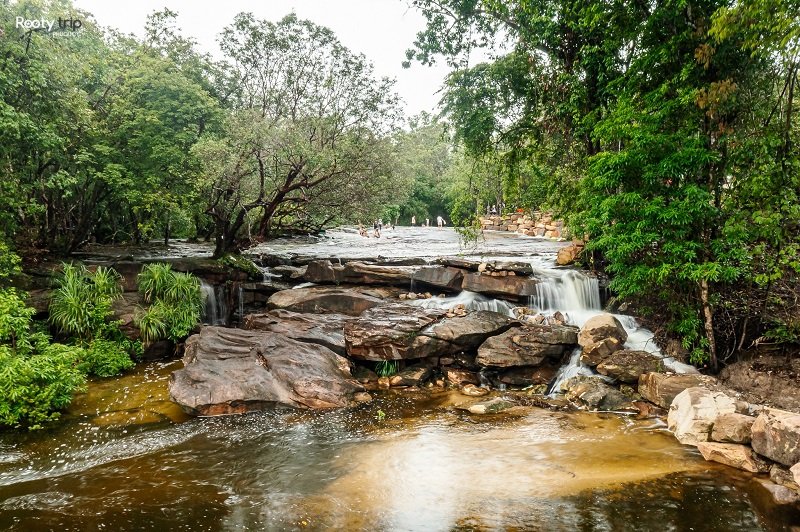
(426, 466)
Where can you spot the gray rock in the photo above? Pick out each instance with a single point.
(443, 277)
(322, 329)
(627, 365)
(596, 353)
(514, 287)
(232, 371)
(326, 300)
(593, 393)
(529, 345)
(776, 435)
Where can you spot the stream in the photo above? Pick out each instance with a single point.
(124, 457)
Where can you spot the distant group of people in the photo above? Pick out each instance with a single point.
(377, 226)
(439, 222)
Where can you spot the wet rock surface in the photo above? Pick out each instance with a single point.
(529, 345)
(398, 331)
(514, 287)
(327, 300)
(323, 329)
(627, 365)
(232, 371)
(595, 394)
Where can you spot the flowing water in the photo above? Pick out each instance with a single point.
(215, 304)
(124, 457)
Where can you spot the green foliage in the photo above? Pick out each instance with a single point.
(175, 302)
(104, 358)
(36, 387)
(241, 263)
(386, 368)
(81, 301)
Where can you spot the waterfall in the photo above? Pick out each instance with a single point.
(565, 291)
(240, 298)
(215, 306)
(470, 300)
(573, 368)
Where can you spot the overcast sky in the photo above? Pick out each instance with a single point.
(380, 29)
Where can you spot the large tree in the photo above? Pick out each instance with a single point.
(307, 139)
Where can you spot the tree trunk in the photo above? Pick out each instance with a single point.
(708, 319)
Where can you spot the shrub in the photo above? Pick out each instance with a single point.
(104, 358)
(81, 301)
(175, 303)
(36, 387)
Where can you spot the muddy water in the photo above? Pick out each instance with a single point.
(124, 458)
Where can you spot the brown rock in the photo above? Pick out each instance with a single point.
(325, 300)
(795, 471)
(411, 376)
(783, 476)
(599, 328)
(776, 435)
(474, 391)
(322, 329)
(732, 428)
(597, 352)
(734, 455)
(397, 331)
(595, 394)
(442, 277)
(529, 345)
(323, 272)
(568, 255)
(461, 376)
(360, 273)
(662, 388)
(231, 371)
(514, 287)
(527, 376)
(626, 365)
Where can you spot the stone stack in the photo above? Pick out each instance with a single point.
(538, 224)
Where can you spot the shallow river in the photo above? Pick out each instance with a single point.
(125, 458)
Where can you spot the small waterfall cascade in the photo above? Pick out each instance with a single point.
(573, 368)
(571, 292)
(240, 302)
(470, 300)
(215, 304)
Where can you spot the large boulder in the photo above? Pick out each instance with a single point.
(693, 412)
(593, 393)
(399, 331)
(232, 371)
(733, 455)
(597, 352)
(323, 272)
(325, 300)
(569, 254)
(515, 287)
(322, 329)
(600, 327)
(444, 277)
(361, 273)
(662, 388)
(776, 435)
(627, 365)
(529, 345)
(733, 428)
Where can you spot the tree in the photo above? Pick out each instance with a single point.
(306, 142)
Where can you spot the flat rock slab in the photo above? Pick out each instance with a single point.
(323, 329)
(398, 331)
(529, 345)
(232, 371)
(733, 455)
(515, 287)
(662, 388)
(325, 300)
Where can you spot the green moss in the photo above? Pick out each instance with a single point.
(241, 263)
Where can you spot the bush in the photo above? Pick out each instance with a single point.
(104, 358)
(81, 302)
(175, 303)
(36, 387)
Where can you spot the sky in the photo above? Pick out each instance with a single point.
(380, 29)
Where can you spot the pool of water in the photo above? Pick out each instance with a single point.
(125, 458)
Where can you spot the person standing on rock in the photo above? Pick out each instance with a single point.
(413, 221)
(440, 221)
(427, 222)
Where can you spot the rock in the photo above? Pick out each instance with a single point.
(595, 394)
(232, 371)
(492, 406)
(360, 273)
(795, 471)
(529, 345)
(776, 435)
(734, 455)
(515, 288)
(693, 412)
(442, 277)
(648, 410)
(597, 352)
(365, 376)
(662, 388)
(780, 495)
(626, 365)
(322, 329)
(124, 309)
(362, 397)
(411, 376)
(317, 299)
(599, 328)
(461, 376)
(783, 476)
(474, 391)
(732, 428)
(161, 350)
(527, 376)
(398, 331)
(323, 272)
(568, 255)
